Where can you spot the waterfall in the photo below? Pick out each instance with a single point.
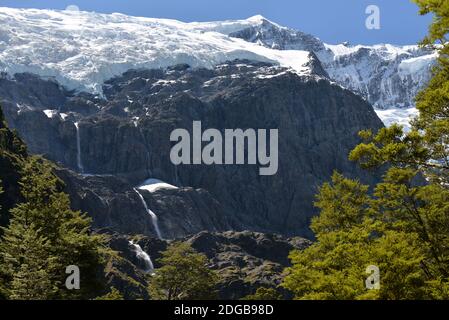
(142, 255)
(78, 149)
(176, 176)
(151, 213)
(144, 140)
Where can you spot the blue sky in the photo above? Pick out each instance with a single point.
(334, 21)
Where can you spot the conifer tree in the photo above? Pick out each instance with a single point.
(426, 146)
(58, 231)
(403, 227)
(184, 275)
(353, 234)
(262, 293)
(2, 280)
(26, 260)
(114, 294)
(41, 234)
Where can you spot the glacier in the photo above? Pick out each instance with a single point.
(81, 50)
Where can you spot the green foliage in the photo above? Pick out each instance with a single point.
(114, 294)
(184, 275)
(12, 155)
(426, 146)
(347, 197)
(439, 28)
(9, 140)
(262, 293)
(403, 227)
(1, 191)
(2, 288)
(44, 237)
(26, 260)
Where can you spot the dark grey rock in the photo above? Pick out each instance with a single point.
(247, 260)
(244, 260)
(124, 139)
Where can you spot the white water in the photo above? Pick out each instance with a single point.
(78, 149)
(142, 255)
(151, 213)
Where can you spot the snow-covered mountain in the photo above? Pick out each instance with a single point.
(113, 135)
(81, 50)
(388, 76)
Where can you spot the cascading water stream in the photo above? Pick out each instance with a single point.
(151, 213)
(79, 161)
(142, 255)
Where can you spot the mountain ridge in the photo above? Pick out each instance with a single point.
(386, 75)
(82, 50)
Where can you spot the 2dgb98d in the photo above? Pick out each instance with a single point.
(246, 309)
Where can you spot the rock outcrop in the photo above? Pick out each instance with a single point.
(244, 260)
(247, 260)
(123, 139)
(113, 203)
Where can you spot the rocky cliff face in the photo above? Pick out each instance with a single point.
(12, 154)
(113, 203)
(245, 260)
(123, 139)
(124, 85)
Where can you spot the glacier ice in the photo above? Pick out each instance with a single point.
(81, 50)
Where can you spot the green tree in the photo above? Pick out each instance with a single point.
(26, 260)
(2, 282)
(184, 275)
(352, 234)
(267, 294)
(421, 153)
(426, 146)
(114, 294)
(9, 140)
(41, 234)
(12, 154)
(61, 236)
(403, 227)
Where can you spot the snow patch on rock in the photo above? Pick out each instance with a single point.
(153, 185)
(398, 116)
